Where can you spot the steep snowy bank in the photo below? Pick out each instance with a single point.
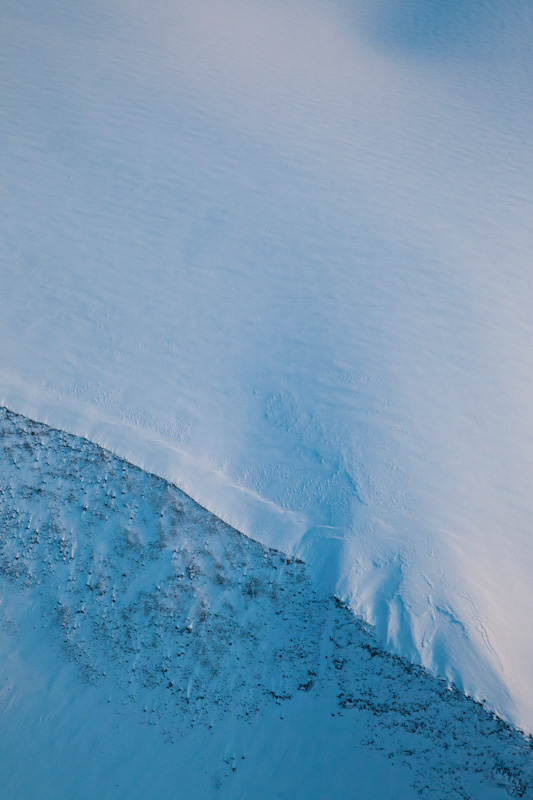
(148, 650)
(280, 255)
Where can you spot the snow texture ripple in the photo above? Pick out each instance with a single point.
(280, 255)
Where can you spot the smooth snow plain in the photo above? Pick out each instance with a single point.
(279, 254)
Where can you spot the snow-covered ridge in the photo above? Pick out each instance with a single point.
(183, 651)
(279, 254)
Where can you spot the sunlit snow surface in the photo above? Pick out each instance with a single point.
(279, 253)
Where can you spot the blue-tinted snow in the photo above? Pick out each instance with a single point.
(280, 255)
(147, 650)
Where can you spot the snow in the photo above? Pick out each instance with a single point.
(148, 650)
(279, 254)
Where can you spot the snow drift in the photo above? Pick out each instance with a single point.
(147, 650)
(280, 255)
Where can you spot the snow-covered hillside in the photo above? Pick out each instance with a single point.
(147, 650)
(279, 254)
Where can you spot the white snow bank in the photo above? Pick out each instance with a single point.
(280, 255)
(160, 652)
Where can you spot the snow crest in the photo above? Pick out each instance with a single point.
(280, 255)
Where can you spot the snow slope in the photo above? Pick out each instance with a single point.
(279, 254)
(147, 650)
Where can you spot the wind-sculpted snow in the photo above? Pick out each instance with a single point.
(219, 645)
(279, 253)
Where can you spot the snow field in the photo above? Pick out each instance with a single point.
(280, 255)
